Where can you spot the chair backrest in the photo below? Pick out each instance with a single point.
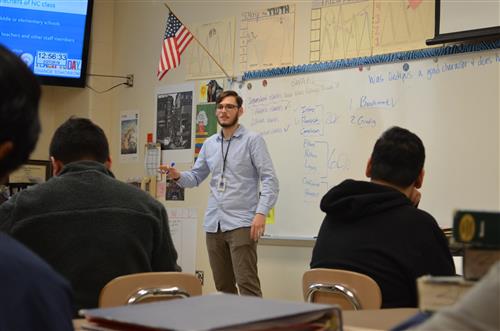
(350, 290)
(147, 287)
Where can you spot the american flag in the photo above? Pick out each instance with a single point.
(175, 41)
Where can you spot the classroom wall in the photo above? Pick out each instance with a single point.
(126, 38)
(59, 103)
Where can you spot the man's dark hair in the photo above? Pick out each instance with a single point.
(79, 139)
(230, 93)
(19, 121)
(398, 157)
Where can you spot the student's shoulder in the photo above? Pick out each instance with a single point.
(133, 194)
(31, 194)
(422, 219)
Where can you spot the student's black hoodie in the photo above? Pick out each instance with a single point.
(375, 230)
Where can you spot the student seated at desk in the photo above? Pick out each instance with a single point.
(88, 225)
(34, 296)
(374, 228)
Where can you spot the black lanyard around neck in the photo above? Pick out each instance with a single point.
(224, 157)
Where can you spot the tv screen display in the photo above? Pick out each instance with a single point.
(51, 36)
(462, 20)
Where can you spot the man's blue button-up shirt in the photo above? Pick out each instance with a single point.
(251, 185)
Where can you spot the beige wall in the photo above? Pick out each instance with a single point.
(59, 103)
(126, 37)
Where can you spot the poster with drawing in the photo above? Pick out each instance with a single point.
(218, 38)
(129, 136)
(206, 125)
(209, 90)
(174, 122)
(173, 191)
(266, 37)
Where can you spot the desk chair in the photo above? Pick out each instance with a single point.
(147, 287)
(350, 290)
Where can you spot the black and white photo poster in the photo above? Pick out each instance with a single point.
(174, 122)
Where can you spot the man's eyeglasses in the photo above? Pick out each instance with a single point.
(227, 106)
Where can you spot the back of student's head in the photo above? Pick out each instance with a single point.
(79, 139)
(398, 157)
(19, 121)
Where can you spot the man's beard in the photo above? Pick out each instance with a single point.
(228, 125)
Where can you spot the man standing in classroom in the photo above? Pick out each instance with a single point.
(243, 189)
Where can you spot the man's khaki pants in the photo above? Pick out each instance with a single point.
(233, 259)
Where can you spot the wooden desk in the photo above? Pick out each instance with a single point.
(377, 319)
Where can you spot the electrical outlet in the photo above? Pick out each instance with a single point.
(200, 275)
(130, 80)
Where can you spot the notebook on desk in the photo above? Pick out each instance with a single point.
(217, 312)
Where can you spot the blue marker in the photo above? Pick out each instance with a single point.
(171, 165)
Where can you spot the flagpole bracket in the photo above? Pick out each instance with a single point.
(130, 80)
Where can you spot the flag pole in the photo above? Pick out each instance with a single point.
(201, 45)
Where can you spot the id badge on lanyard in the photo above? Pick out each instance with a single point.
(221, 185)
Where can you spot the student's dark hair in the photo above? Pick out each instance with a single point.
(19, 121)
(79, 139)
(230, 93)
(398, 157)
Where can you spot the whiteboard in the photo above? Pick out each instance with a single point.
(320, 129)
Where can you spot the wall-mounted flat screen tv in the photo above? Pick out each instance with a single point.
(461, 20)
(51, 36)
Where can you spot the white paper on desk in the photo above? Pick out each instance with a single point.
(183, 222)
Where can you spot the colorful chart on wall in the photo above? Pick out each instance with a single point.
(206, 125)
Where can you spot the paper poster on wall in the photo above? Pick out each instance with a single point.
(183, 222)
(270, 217)
(206, 125)
(129, 136)
(346, 29)
(173, 191)
(266, 37)
(174, 122)
(152, 160)
(161, 189)
(218, 38)
(209, 90)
